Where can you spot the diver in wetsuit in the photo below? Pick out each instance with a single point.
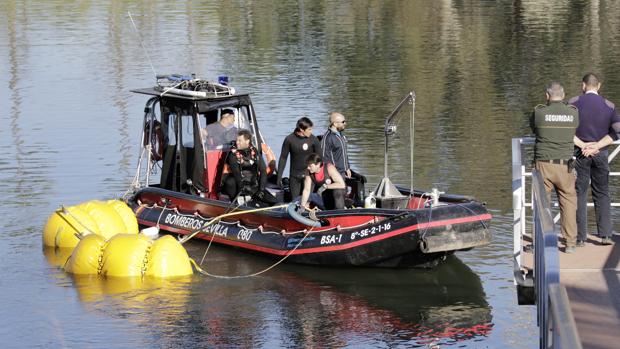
(299, 144)
(248, 175)
(328, 182)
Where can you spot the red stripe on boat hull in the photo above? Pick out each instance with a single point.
(484, 217)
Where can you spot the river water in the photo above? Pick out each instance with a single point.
(69, 131)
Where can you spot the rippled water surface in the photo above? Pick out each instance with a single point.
(69, 132)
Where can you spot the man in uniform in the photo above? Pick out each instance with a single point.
(554, 125)
(599, 122)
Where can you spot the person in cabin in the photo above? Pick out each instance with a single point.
(248, 175)
(329, 184)
(222, 133)
(299, 145)
(334, 145)
(554, 125)
(598, 128)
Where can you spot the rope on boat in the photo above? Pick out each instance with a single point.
(218, 218)
(204, 272)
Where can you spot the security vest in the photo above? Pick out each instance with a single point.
(554, 125)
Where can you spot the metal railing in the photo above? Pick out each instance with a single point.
(520, 205)
(555, 318)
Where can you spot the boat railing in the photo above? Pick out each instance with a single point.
(555, 319)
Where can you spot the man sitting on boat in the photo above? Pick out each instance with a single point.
(248, 175)
(220, 134)
(328, 181)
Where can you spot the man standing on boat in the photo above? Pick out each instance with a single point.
(299, 144)
(599, 122)
(554, 125)
(334, 145)
(221, 134)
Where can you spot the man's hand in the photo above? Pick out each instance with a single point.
(590, 150)
(348, 173)
(321, 189)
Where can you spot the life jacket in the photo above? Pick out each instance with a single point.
(322, 176)
(248, 164)
(155, 138)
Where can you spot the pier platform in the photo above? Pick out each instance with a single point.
(591, 277)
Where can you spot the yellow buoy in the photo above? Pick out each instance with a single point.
(108, 220)
(85, 257)
(168, 258)
(62, 226)
(127, 215)
(125, 255)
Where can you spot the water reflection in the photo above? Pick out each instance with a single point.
(298, 306)
(56, 257)
(24, 184)
(440, 306)
(306, 306)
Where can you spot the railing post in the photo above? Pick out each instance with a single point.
(517, 202)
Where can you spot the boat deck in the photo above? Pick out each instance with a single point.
(591, 276)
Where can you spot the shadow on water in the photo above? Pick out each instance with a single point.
(295, 305)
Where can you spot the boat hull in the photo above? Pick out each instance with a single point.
(355, 237)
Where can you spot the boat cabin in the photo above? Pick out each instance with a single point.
(174, 125)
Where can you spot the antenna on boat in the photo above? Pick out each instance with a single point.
(142, 44)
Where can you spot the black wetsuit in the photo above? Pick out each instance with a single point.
(247, 173)
(299, 147)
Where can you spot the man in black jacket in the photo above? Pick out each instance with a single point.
(334, 145)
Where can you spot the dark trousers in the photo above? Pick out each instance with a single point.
(229, 187)
(356, 183)
(333, 199)
(595, 169)
(295, 185)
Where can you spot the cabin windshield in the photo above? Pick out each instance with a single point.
(218, 133)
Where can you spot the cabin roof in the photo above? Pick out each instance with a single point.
(152, 91)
